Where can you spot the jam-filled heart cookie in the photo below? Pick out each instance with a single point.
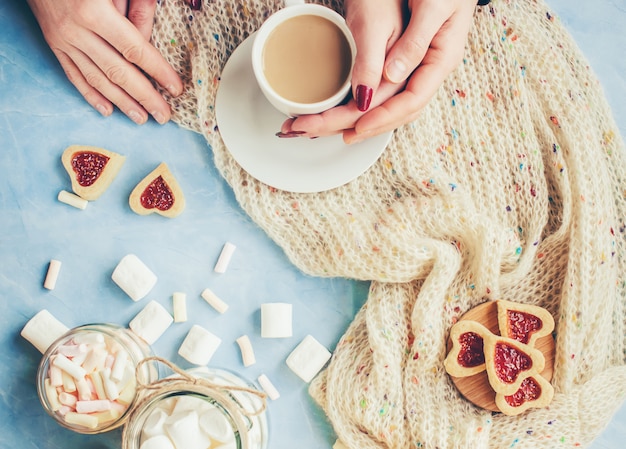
(534, 392)
(509, 362)
(523, 322)
(467, 356)
(158, 193)
(91, 169)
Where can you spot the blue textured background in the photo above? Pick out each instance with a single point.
(41, 114)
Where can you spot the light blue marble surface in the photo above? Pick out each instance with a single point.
(41, 114)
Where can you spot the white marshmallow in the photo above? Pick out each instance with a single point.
(110, 388)
(42, 330)
(247, 353)
(52, 395)
(154, 423)
(182, 428)
(98, 405)
(339, 445)
(72, 199)
(187, 403)
(134, 277)
(67, 399)
(225, 256)
(151, 322)
(157, 442)
(199, 345)
(84, 390)
(179, 303)
(65, 364)
(214, 301)
(308, 358)
(119, 365)
(56, 376)
(215, 425)
(81, 419)
(52, 275)
(268, 387)
(276, 320)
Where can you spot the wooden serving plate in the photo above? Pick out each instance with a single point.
(476, 388)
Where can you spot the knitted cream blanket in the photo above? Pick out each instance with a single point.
(510, 185)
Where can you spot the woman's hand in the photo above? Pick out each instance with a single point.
(405, 51)
(104, 49)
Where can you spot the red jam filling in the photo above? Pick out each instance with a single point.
(88, 167)
(471, 353)
(509, 362)
(157, 195)
(529, 390)
(522, 325)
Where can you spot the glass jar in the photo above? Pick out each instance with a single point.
(86, 379)
(225, 411)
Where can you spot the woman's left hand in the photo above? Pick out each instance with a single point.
(405, 52)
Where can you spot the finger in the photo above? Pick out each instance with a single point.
(131, 44)
(127, 79)
(98, 101)
(327, 123)
(96, 78)
(370, 58)
(405, 106)
(141, 14)
(409, 51)
(121, 6)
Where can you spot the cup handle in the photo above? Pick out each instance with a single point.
(293, 2)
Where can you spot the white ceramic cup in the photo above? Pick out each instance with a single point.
(288, 107)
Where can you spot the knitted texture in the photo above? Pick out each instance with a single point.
(510, 185)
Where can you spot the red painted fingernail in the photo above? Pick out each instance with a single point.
(363, 97)
(289, 134)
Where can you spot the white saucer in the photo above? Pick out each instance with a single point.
(248, 125)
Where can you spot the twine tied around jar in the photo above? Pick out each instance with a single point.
(185, 382)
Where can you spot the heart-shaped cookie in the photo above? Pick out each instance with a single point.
(158, 193)
(509, 362)
(91, 169)
(534, 392)
(524, 322)
(466, 357)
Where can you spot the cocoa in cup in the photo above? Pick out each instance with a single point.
(302, 58)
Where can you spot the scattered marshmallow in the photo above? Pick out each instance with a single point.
(268, 387)
(73, 200)
(276, 320)
(151, 322)
(214, 301)
(179, 304)
(157, 442)
(199, 345)
(134, 277)
(225, 256)
(42, 330)
(247, 353)
(52, 274)
(308, 358)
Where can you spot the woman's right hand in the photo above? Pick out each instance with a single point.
(104, 48)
